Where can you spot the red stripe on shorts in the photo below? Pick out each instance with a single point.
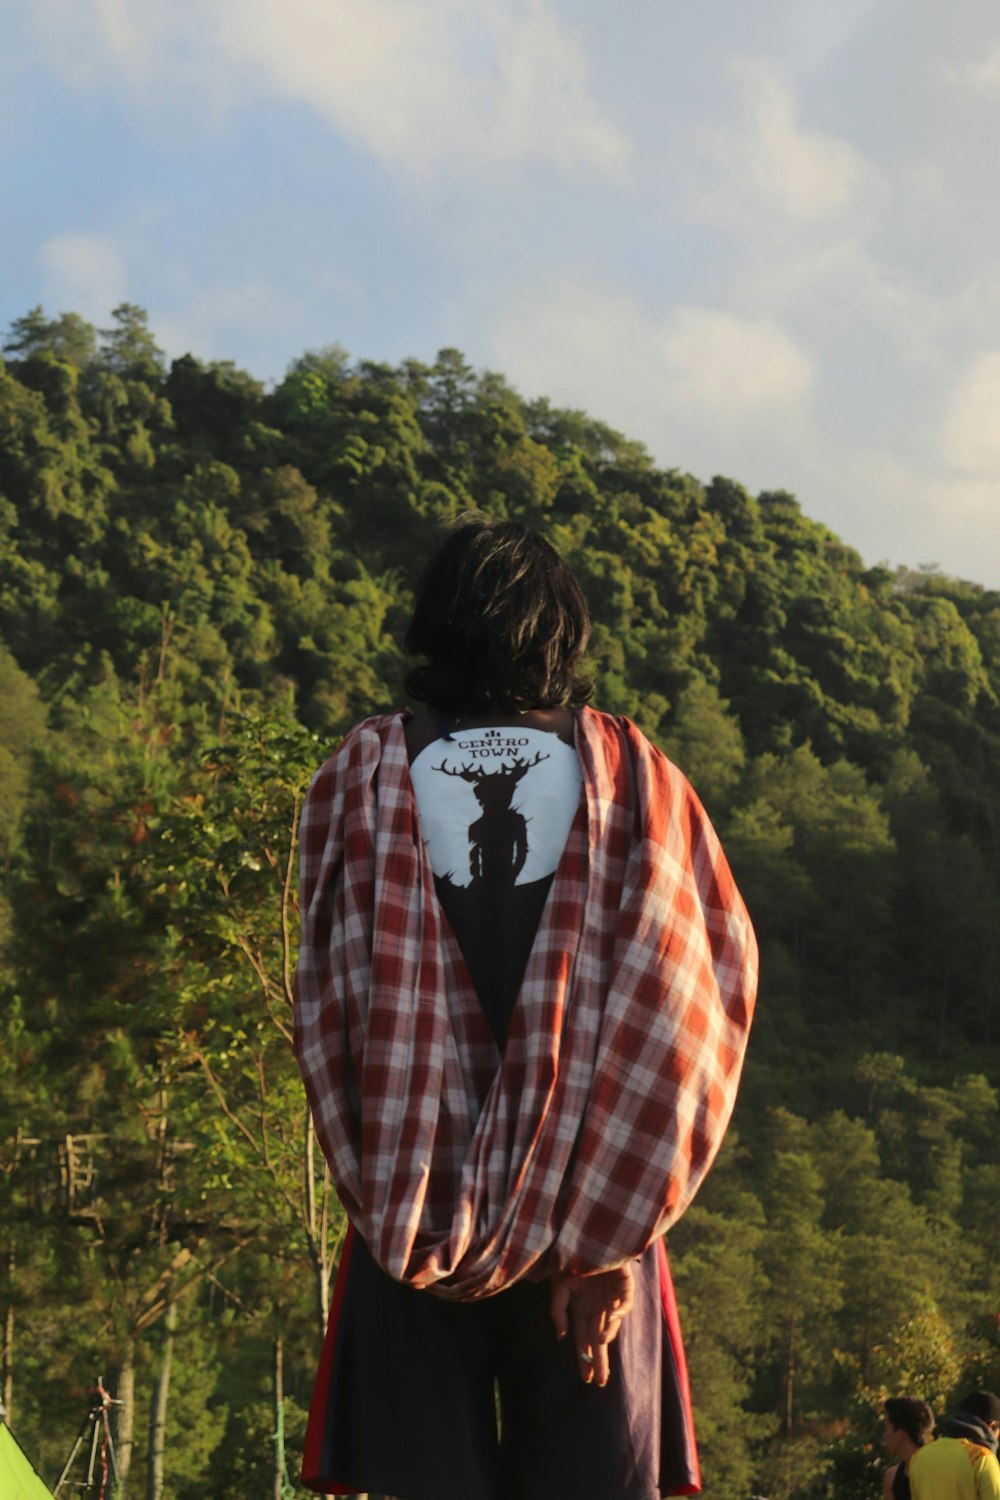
(672, 1333)
(312, 1458)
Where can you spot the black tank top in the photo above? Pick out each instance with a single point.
(901, 1484)
(495, 805)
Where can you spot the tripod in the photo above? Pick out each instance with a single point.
(101, 1444)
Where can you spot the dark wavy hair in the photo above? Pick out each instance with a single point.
(502, 622)
(913, 1417)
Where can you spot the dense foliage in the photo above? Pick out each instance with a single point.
(202, 583)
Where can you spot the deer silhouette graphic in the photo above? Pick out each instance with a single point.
(498, 841)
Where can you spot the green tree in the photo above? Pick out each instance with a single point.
(227, 864)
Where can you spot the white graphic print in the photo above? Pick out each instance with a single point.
(496, 805)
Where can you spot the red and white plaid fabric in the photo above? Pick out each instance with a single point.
(465, 1171)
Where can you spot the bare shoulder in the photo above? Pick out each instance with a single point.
(421, 730)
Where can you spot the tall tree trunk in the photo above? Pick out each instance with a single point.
(279, 1420)
(790, 1379)
(7, 1392)
(124, 1391)
(158, 1411)
(317, 1209)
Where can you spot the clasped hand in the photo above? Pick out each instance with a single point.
(593, 1309)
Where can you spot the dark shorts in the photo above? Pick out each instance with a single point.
(406, 1401)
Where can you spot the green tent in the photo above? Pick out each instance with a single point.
(18, 1480)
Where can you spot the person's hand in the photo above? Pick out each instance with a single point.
(592, 1309)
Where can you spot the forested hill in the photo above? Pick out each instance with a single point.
(237, 546)
(187, 558)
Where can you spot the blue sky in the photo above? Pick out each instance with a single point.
(763, 238)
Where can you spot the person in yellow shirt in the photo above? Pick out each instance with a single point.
(961, 1464)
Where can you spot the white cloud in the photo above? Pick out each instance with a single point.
(766, 164)
(419, 83)
(129, 35)
(711, 392)
(543, 94)
(206, 324)
(971, 429)
(980, 75)
(912, 511)
(86, 273)
(83, 272)
(844, 293)
(700, 386)
(814, 30)
(721, 364)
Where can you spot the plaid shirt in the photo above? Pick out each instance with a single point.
(464, 1170)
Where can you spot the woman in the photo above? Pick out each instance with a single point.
(523, 994)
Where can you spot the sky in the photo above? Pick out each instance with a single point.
(761, 236)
